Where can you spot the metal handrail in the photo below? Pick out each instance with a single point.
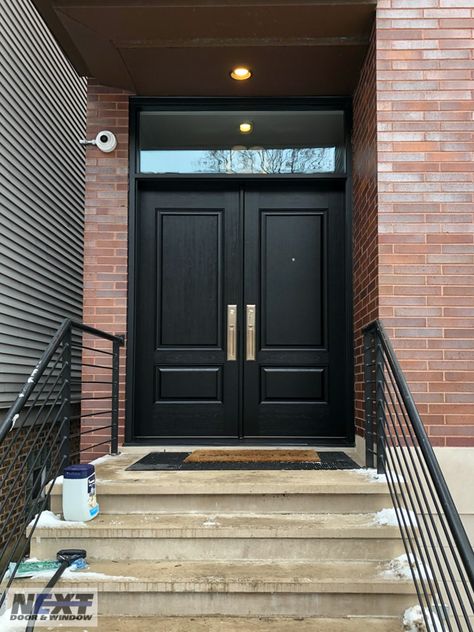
(392, 424)
(20, 402)
(30, 463)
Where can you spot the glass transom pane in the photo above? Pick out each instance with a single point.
(246, 142)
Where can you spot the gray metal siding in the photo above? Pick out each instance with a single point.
(42, 171)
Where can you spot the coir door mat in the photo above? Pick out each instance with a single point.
(253, 456)
(161, 461)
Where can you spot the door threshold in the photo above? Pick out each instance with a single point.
(140, 448)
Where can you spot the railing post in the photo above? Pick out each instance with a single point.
(115, 397)
(368, 397)
(380, 384)
(66, 398)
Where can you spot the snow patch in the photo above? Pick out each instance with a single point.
(388, 517)
(81, 576)
(102, 459)
(91, 576)
(404, 567)
(49, 520)
(413, 620)
(371, 474)
(400, 567)
(6, 625)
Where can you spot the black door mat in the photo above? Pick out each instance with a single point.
(159, 461)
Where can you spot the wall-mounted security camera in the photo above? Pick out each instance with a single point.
(105, 141)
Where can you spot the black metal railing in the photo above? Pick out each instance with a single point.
(68, 409)
(438, 551)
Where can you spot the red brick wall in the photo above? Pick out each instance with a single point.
(365, 225)
(414, 260)
(105, 256)
(425, 140)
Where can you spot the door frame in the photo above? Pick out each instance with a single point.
(342, 182)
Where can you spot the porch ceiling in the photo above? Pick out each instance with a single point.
(187, 47)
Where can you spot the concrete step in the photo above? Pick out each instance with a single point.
(242, 624)
(254, 588)
(224, 536)
(249, 491)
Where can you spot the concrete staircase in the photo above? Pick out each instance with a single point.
(245, 551)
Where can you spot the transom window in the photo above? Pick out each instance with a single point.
(241, 142)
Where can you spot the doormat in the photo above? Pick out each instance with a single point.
(162, 461)
(253, 456)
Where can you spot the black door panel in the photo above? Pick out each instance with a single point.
(189, 309)
(291, 277)
(187, 275)
(294, 274)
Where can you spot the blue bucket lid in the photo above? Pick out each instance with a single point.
(79, 471)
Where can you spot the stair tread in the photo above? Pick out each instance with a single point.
(239, 576)
(113, 478)
(227, 525)
(244, 624)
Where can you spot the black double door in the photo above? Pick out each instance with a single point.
(240, 313)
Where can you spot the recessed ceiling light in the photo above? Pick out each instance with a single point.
(246, 127)
(240, 73)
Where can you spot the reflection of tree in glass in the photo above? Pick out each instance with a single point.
(260, 160)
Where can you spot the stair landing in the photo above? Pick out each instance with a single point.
(297, 491)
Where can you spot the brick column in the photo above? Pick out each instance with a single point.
(426, 259)
(105, 251)
(365, 220)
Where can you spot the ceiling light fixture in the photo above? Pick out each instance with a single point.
(241, 73)
(246, 127)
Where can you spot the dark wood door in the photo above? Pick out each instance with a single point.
(277, 255)
(188, 272)
(294, 275)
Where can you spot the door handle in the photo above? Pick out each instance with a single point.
(251, 309)
(231, 332)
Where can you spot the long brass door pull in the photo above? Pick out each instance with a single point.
(231, 332)
(250, 355)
